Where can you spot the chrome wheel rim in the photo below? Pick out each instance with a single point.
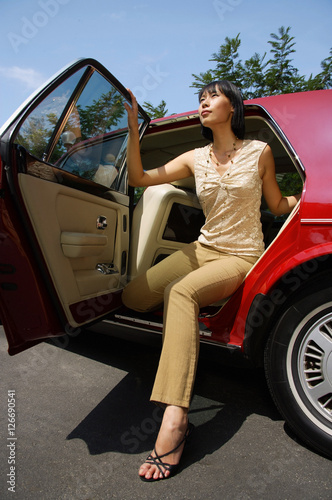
(313, 368)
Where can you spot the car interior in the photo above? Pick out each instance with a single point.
(167, 217)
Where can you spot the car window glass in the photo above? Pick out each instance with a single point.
(37, 129)
(93, 142)
(81, 129)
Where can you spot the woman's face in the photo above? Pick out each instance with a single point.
(215, 108)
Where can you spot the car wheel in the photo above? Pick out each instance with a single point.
(298, 366)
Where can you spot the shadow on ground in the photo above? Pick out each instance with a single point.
(227, 391)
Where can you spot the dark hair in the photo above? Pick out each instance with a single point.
(235, 96)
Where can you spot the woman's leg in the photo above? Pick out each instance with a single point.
(218, 277)
(146, 292)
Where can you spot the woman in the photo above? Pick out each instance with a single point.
(230, 174)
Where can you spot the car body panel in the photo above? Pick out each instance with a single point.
(306, 120)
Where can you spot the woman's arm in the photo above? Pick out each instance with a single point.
(179, 168)
(277, 203)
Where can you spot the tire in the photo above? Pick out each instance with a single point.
(298, 367)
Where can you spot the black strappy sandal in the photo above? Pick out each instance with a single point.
(157, 460)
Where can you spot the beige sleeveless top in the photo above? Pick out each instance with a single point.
(231, 202)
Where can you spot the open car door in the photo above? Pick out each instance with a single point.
(64, 227)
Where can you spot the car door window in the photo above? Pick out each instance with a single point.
(81, 127)
(37, 129)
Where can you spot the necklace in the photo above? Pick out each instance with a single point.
(212, 155)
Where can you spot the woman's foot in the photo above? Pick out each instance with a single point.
(172, 432)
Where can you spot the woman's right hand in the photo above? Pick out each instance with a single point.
(132, 112)
(179, 168)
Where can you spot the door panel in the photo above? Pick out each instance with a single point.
(76, 250)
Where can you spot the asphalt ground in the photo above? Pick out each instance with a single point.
(83, 426)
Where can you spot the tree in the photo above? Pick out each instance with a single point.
(326, 75)
(155, 112)
(253, 76)
(227, 63)
(36, 132)
(324, 79)
(102, 116)
(280, 73)
(257, 78)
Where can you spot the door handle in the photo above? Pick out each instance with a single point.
(107, 268)
(101, 222)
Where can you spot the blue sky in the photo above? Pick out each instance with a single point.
(151, 46)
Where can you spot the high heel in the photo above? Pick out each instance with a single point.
(163, 466)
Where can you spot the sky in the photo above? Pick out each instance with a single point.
(151, 46)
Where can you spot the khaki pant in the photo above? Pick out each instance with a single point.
(187, 280)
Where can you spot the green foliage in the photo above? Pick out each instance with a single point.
(100, 117)
(155, 111)
(227, 59)
(138, 193)
(257, 77)
(290, 183)
(35, 136)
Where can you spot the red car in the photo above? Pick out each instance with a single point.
(72, 232)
